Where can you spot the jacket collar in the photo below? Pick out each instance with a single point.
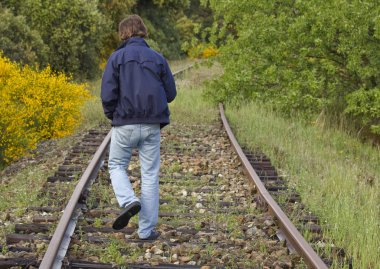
(133, 41)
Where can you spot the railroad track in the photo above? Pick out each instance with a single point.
(209, 215)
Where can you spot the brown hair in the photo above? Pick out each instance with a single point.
(133, 25)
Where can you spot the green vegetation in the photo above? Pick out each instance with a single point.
(92, 110)
(18, 41)
(20, 191)
(317, 57)
(71, 31)
(171, 23)
(189, 106)
(23, 189)
(21, 183)
(33, 31)
(113, 253)
(336, 175)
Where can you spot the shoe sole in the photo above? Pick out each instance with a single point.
(123, 219)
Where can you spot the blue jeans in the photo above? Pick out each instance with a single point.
(145, 137)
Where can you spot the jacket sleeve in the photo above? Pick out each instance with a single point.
(110, 88)
(169, 84)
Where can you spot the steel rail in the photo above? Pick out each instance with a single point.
(182, 70)
(291, 233)
(91, 171)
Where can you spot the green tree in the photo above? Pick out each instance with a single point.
(78, 34)
(19, 42)
(198, 29)
(72, 29)
(114, 11)
(168, 23)
(311, 56)
(161, 17)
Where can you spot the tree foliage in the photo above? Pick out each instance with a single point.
(171, 23)
(21, 43)
(76, 36)
(311, 56)
(72, 30)
(114, 11)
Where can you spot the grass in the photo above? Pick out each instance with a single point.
(337, 175)
(189, 106)
(22, 190)
(180, 64)
(19, 188)
(92, 110)
(19, 191)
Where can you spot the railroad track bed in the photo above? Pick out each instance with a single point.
(290, 202)
(28, 239)
(211, 215)
(208, 215)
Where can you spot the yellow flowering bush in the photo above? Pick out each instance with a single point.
(203, 51)
(209, 52)
(35, 105)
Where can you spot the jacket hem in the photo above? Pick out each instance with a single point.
(122, 122)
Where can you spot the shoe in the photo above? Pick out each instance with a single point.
(123, 219)
(153, 235)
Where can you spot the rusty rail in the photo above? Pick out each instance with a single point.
(91, 171)
(291, 233)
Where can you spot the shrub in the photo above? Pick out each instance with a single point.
(316, 57)
(35, 105)
(365, 105)
(203, 51)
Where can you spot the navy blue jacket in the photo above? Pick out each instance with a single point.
(137, 85)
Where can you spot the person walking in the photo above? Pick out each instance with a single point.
(137, 86)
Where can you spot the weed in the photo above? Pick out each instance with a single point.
(98, 223)
(198, 226)
(210, 249)
(112, 253)
(175, 167)
(262, 247)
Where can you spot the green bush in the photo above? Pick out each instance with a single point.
(311, 56)
(365, 105)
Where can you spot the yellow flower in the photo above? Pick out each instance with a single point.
(35, 105)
